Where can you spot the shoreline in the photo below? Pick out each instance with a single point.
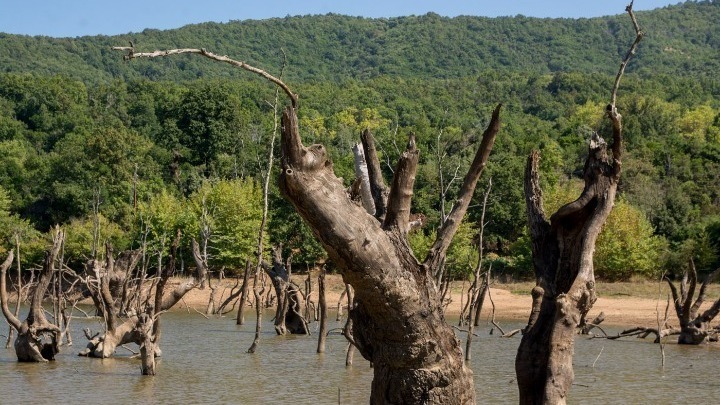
(620, 310)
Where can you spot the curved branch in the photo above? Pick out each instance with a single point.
(611, 109)
(11, 319)
(701, 295)
(133, 55)
(452, 222)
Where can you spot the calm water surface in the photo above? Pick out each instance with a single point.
(204, 361)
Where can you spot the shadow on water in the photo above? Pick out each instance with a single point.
(205, 361)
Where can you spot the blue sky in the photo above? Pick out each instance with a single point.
(70, 18)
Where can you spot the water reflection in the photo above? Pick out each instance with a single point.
(204, 361)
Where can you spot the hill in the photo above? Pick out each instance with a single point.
(681, 39)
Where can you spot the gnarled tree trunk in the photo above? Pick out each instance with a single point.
(562, 251)
(287, 313)
(398, 323)
(142, 327)
(397, 316)
(38, 340)
(694, 326)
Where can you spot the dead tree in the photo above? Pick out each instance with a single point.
(562, 252)
(347, 330)
(398, 321)
(287, 312)
(119, 275)
(322, 305)
(37, 339)
(148, 301)
(243, 292)
(694, 326)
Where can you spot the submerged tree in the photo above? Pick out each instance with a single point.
(694, 326)
(397, 318)
(138, 321)
(562, 252)
(38, 339)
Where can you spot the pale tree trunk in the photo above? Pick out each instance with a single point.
(37, 339)
(347, 330)
(397, 323)
(562, 251)
(11, 330)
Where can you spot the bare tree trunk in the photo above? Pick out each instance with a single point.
(694, 326)
(19, 292)
(562, 251)
(142, 329)
(258, 312)
(240, 320)
(473, 321)
(322, 304)
(37, 339)
(398, 322)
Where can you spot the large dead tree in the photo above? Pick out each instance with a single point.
(398, 319)
(38, 339)
(562, 251)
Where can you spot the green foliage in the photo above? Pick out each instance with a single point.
(80, 236)
(235, 211)
(462, 255)
(626, 246)
(78, 126)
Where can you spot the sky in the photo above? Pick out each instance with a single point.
(71, 18)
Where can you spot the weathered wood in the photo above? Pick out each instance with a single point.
(694, 328)
(397, 321)
(322, 305)
(37, 339)
(562, 250)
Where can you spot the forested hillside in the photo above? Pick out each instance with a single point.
(137, 149)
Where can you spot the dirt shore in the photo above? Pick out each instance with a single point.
(512, 301)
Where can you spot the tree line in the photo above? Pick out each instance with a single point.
(120, 154)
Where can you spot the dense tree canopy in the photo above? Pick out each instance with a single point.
(143, 142)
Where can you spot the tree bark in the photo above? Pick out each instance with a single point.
(37, 339)
(398, 321)
(562, 251)
(322, 305)
(240, 320)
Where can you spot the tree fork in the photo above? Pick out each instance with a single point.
(562, 251)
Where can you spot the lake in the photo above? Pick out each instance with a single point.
(204, 361)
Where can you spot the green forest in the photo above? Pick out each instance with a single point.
(128, 152)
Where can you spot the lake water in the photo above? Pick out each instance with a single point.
(204, 361)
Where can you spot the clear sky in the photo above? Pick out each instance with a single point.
(70, 18)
